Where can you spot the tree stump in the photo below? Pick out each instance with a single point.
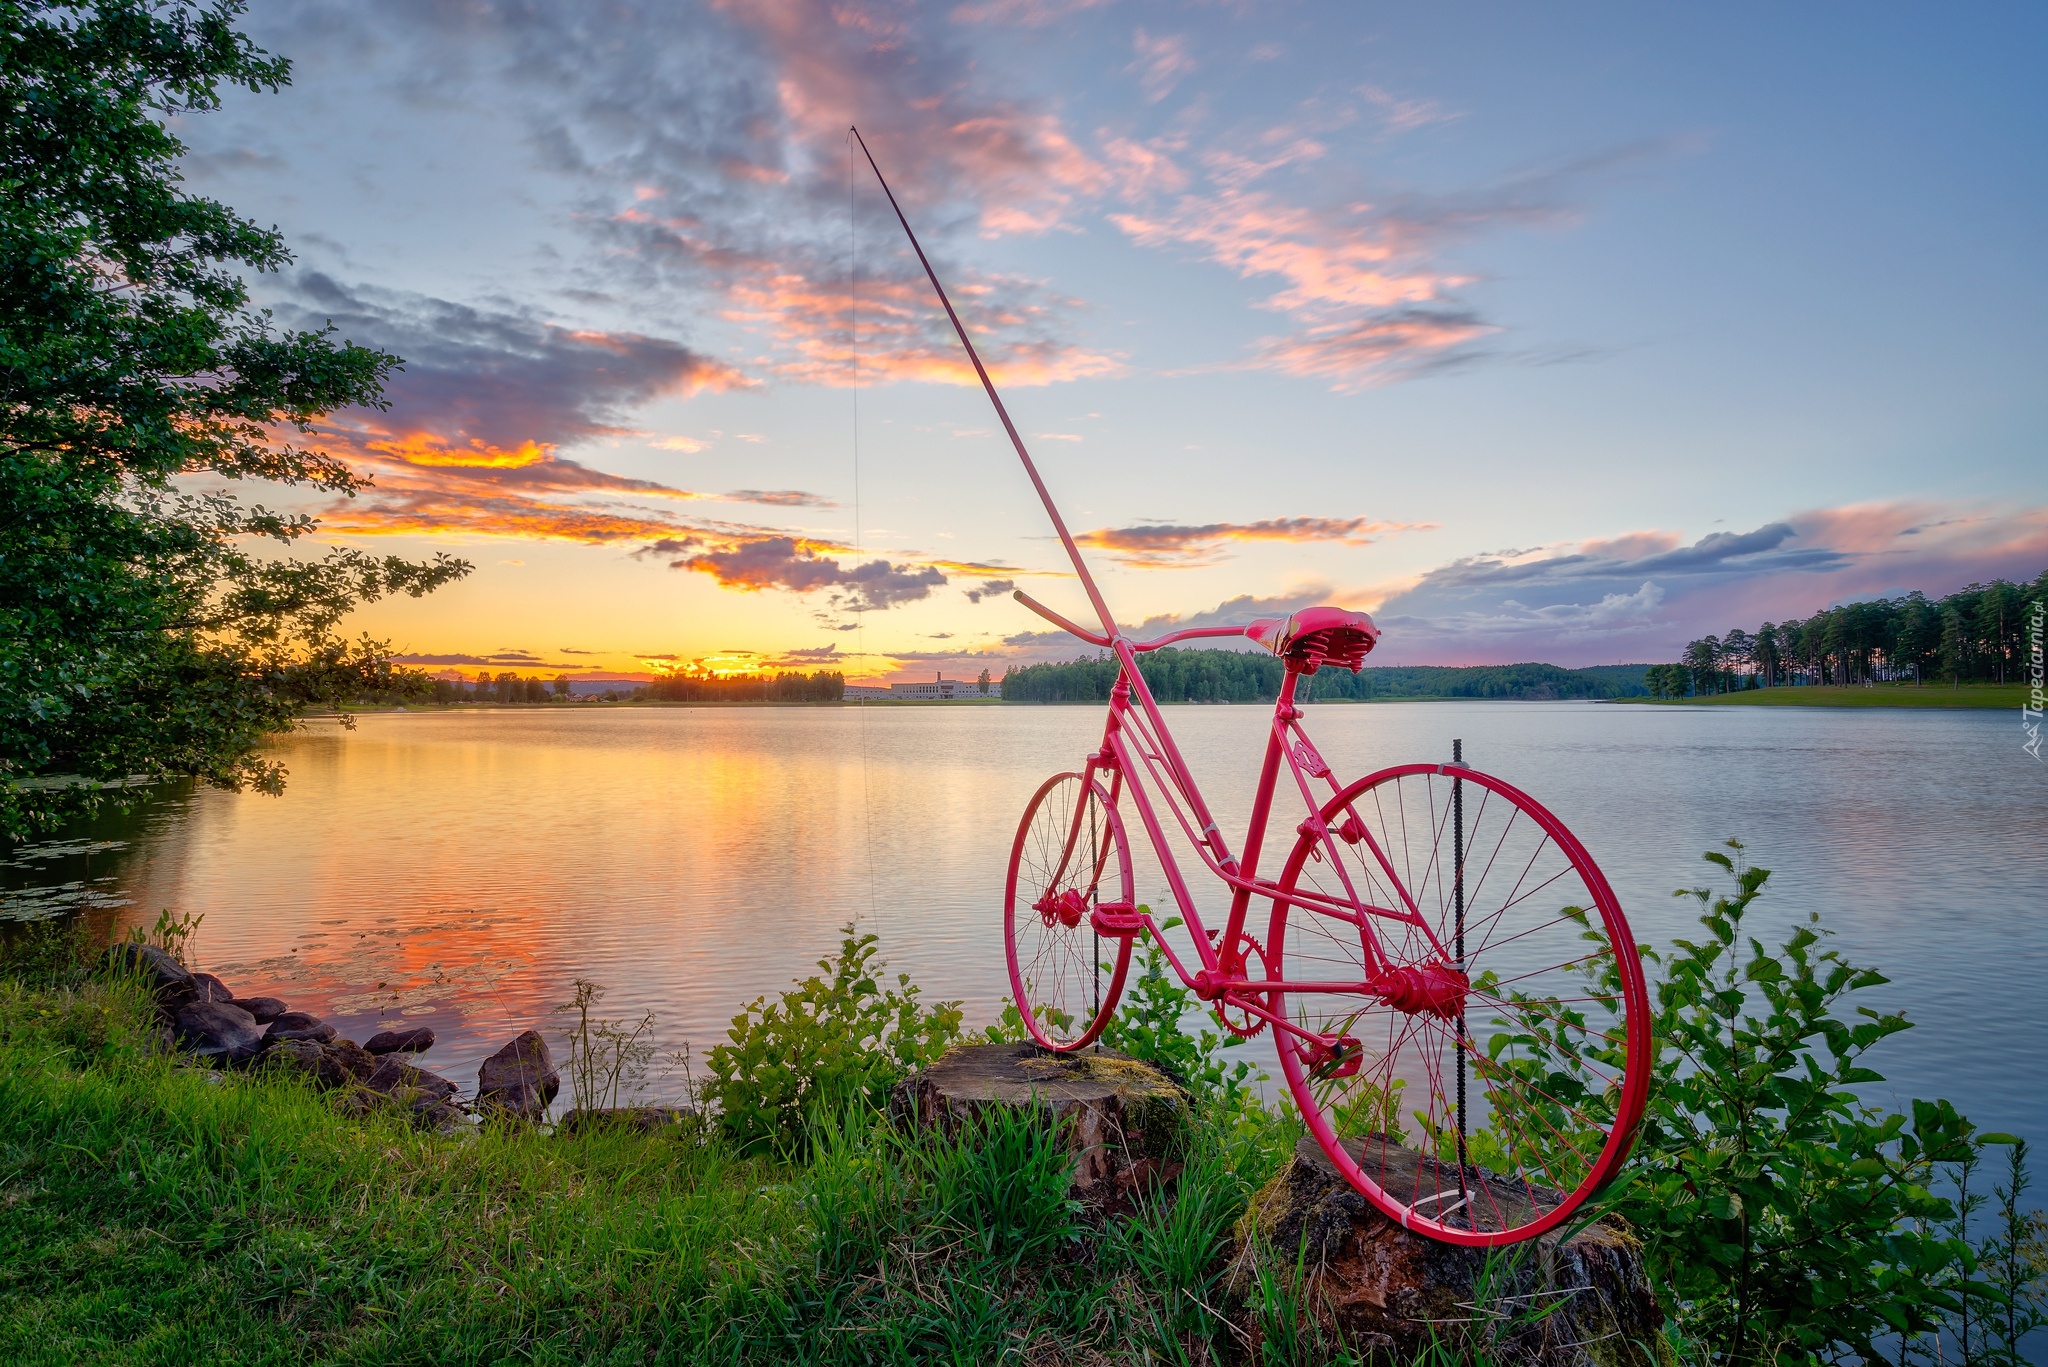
(1126, 1121)
(1387, 1293)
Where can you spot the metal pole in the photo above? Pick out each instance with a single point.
(1458, 904)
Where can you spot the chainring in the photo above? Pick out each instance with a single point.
(1239, 1021)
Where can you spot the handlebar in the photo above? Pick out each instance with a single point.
(1097, 639)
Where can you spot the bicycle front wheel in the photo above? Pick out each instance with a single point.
(1070, 856)
(1472, 1039)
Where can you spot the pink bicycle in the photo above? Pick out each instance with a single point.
(1456, 1002)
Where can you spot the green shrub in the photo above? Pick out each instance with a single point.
(834, 1039)
(1150, 1024)
(1784, 1218)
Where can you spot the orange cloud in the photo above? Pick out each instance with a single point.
(424, 448)
(1176, 547)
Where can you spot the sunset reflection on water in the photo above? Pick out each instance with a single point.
(460, 869)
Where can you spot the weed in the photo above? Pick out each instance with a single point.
(999, 1183)
(607, 1058)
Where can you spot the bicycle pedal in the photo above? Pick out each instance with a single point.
(1117, 918)
(1328, 1062)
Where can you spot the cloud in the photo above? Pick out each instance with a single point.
(514, 657)
(988, 588)
(779, 498)
(497, 389)
(1161, 64)
(484, 404)
(1362, 279)
(1643, 594)
(786, 563)
(710, 170)
(1166, 546)
(1021, 13)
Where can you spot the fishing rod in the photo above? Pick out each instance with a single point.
(1059, 524)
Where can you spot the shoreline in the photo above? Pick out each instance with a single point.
(1945, 697)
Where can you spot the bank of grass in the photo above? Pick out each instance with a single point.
(1877, 695)
(153, 1212)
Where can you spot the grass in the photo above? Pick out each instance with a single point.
(1881, 695)
(152, 1212)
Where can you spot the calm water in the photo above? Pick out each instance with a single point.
(460, 869)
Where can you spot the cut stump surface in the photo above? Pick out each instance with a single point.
(1126, 1121)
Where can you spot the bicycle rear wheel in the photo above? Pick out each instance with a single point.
(1481, 1047)
(1070, 856)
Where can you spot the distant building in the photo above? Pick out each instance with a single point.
(940, 689)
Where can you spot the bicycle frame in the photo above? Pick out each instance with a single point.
(1137, 741)
(1155, 754)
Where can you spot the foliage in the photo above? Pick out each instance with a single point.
(1786, 1219)
(833, 1039)
(1149, 1024)
(1177, 675)
(1176, 1244)
(1976, 634)
(142, 636)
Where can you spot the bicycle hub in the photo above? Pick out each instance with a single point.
(1066, 909)
(1432, 989)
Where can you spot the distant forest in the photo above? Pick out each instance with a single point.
(822, 686)
(1241, 676)
(1974, 635)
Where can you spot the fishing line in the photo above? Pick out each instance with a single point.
(867, 804)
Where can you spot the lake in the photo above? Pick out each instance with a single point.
(460, 869)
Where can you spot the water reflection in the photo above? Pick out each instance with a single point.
(460, 869)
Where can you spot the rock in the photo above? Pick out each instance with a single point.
(218, 1030)
(1125, 1120)
(638, 1119)
(1389, 1293)
(344, 1063)
(519, 1080)
(171, 983)
(392, 1076)
(299, 1025)
(416, 1040)
(428, 1100)
(331, 1064)
(264, 1009)
(295, 1056)
(208, 988)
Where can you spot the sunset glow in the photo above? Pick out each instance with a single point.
(1533, 360)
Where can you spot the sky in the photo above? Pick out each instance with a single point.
(1540, 333)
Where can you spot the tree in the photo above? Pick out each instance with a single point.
(1764, 650)
(982, 682)
(1702, 657)
(561, 685)
(141, 637)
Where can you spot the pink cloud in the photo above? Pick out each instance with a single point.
(1163, 546)
(1161, 64)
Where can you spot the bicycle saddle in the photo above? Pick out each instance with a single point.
(1318, 636)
